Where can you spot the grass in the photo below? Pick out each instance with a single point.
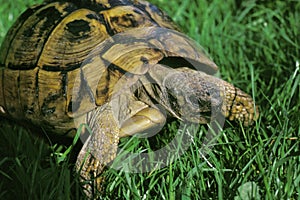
(257, 46)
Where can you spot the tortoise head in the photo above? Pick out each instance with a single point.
(192, 96)
(200, 98)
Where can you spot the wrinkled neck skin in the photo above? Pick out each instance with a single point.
(195, 96)
(186, 94)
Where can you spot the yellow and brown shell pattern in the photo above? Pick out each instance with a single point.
(44, 50)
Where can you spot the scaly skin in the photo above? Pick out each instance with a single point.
(98, 150)
(239, 106)
(187, 94)
(197, 97)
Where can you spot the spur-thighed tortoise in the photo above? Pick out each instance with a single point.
(65, 62)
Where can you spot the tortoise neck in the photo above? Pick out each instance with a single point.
(153, 88)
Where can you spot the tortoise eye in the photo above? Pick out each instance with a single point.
(173, 100)
(194, 100)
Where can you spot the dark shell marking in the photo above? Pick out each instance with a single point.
(43, 51)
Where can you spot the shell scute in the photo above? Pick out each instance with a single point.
(62, 59)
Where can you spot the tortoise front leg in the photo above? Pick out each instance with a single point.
(101, 146)
(99, 149)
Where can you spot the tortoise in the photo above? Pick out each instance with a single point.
(120, 66)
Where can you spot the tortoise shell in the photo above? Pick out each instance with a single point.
(116, 65)
(54, 43)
